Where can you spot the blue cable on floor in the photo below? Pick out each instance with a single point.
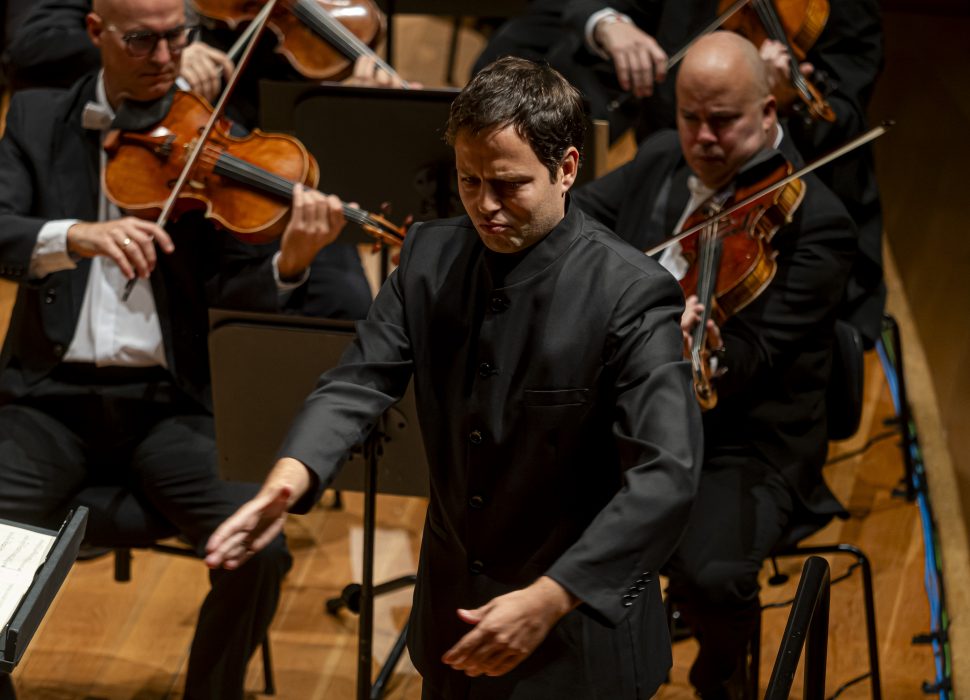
(933, 575)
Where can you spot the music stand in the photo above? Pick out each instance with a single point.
(254, 409)
(373, 145)
(17, 633)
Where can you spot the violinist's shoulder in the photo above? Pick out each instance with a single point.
(37, 106)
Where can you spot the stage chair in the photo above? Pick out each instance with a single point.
(844, 400)
(119, 520)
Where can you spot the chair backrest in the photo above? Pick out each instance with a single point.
(844, 393)
(254, 406)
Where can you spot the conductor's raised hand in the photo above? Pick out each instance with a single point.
(248, 530)
(316, 219)
(128, 241)
(637, 57)
(509, 628)
(259, 520)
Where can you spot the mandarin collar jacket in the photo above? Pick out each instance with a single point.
(561, 436)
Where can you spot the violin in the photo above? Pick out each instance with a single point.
(321, 39)
(728, 250)
(245, 185)
(797, 24)
(730, 258)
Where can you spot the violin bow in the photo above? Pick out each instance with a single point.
(721, 19)
(855, 143)
(200, 142)
(677, 57)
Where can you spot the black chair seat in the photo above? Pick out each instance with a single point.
(119, 518)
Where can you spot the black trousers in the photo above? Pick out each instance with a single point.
(132, 427)
(742, 509)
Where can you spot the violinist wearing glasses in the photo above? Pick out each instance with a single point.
(99, 388)
(53, 48)
(765, 438)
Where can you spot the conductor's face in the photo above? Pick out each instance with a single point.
(507, 191)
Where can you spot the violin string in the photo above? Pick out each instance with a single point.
(248, 173)
(776, 30)
(326, 25)
(311, 15)
(704, 281)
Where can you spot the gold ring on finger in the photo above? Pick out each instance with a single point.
(125, 243)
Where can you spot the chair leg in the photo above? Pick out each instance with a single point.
(777, 578)
(754, 661)
(874, 678)
(269, 686)
(872, 642)
(122, 564)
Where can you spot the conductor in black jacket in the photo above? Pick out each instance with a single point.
(765, 441)
(555, 409)
(97, 389)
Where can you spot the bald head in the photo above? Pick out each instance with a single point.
(725, 110)
(135, 11)
(726, 57)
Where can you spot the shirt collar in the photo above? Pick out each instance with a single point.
(101, 94)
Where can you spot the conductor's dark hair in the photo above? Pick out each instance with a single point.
(535, 100)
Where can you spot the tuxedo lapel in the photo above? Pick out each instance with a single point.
(75, 173)
(75, 177)
(677, 201)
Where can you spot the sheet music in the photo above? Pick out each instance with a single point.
(22, 552)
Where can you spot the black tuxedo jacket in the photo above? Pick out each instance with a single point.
(779, 348)
(49, 170)
(561, 435)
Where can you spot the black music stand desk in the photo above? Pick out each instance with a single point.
(17, 633)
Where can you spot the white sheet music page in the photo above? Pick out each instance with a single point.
(22, 552)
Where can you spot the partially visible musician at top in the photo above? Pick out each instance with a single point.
(766, 440)
(97, 389)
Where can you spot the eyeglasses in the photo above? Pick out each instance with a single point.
(143, 42)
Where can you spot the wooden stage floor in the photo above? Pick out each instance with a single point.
(110, 640)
